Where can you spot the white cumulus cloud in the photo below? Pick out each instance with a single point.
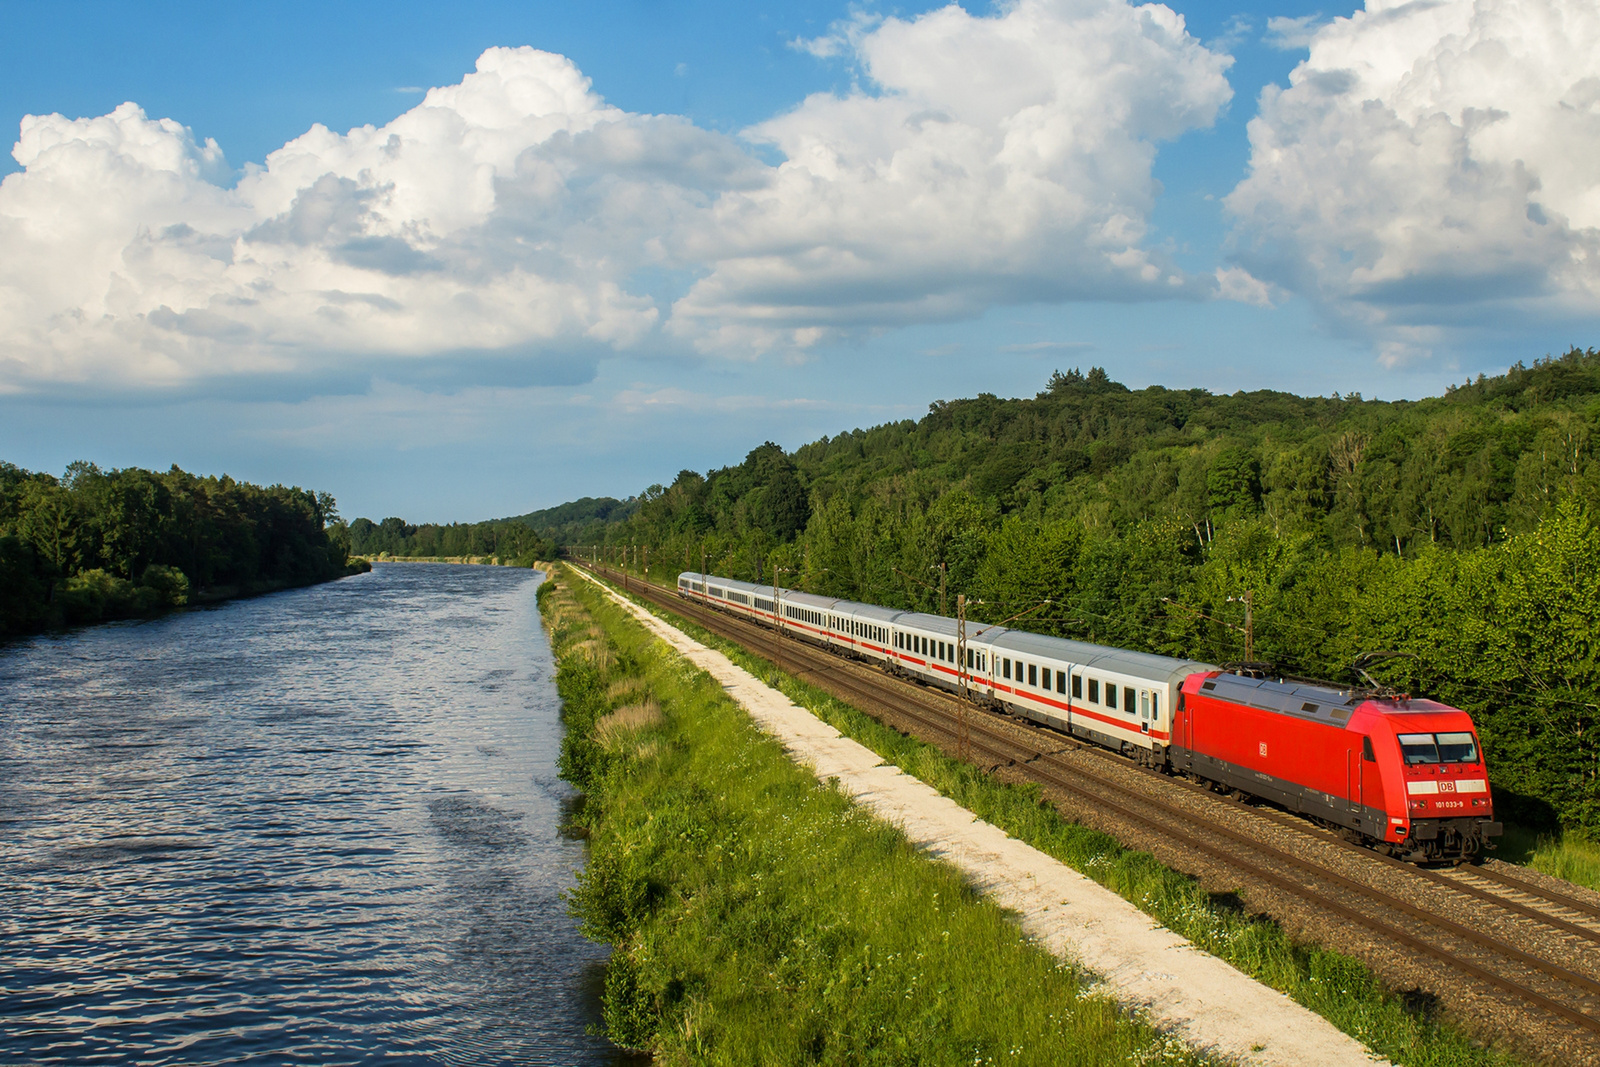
(1431, 167)
(515, 227)
(496, 222)
(999, 159)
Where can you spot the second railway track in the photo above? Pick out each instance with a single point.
(1529, 954)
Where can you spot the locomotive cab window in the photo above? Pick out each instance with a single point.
(1418, 748)
(1457, 748)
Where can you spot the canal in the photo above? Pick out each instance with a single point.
(322, 826)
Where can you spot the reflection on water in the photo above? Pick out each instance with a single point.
(320, 826)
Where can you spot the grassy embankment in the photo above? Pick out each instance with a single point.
(1341, 989)
(1568, 855)
(757, 915)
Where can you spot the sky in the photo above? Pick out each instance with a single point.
(455, 262)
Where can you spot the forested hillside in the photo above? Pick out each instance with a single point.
(524, 538)
(571, 522)
(99, 544)
(507, 539)
(1459, 530)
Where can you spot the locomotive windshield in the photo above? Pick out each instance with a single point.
(1457, 748)
(1438, 748)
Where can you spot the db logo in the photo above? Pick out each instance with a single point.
(1447, 787)
(1263, 747)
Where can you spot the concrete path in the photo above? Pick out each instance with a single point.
(1182, 990)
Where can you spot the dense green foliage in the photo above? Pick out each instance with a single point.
(114, 544)
(574, 521)
(1460, 530)
(1339, 988)
(506, 539)
(759, 917)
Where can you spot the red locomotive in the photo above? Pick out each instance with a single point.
(1404, 776)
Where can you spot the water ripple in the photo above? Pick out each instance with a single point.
(316, 827)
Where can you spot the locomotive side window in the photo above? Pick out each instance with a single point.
(1094, 690)
(1457, 748)
(1077, 687)
(1419, 748)
(1366, 750)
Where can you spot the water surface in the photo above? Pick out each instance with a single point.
(320, 826)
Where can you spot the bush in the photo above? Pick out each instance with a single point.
(168, 586)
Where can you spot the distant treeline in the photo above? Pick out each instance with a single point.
(574, 522)
(96, 545)
(1459, 530)
(509, 540)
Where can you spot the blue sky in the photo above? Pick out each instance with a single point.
(760, 222)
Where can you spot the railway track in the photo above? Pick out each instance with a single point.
(1530, 945)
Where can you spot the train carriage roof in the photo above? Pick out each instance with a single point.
(809, 600)
(932, 624)
(752, 588)
(1165, 669)
(873, 612)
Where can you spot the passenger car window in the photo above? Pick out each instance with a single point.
(1033, 675)
(1094, 690)
(1127, 700)
(1077, 687)
(1418, 748)
(1005, 667)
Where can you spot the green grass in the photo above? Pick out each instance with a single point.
(1564, 854)
(1341, 989)
(758, 916)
